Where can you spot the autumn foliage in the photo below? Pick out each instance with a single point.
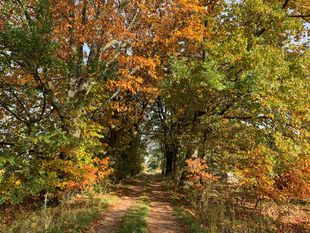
(197, 173)
(77, 80)
(220, 88)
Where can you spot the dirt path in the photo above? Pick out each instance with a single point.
(112, 217)
(161, 217)
(111, 220)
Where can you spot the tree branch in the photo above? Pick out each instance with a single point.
(246, 117)
(13, 113)
(300, 16)
(285, 4)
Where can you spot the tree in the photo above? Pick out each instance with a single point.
(237, 104)
(69, 71)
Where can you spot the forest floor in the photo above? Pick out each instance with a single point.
(161, 216)
(163, 205)
(143, 204)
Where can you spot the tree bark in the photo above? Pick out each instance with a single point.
(169, 163)
(170, 160)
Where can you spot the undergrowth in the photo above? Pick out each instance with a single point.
(72, 215)
(189, 220)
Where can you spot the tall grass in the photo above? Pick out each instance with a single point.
(72, 215)
(225, 210)
(192, 224)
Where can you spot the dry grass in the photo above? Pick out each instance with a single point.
(235, 211)
(72, 215)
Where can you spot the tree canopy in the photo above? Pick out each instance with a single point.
(217, 86)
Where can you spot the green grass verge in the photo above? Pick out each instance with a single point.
(74, 215)
(193, 225)
(135, 220)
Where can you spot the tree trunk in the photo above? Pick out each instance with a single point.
(170, 161)
(169, 164)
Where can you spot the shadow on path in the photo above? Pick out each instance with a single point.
(161, 217)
